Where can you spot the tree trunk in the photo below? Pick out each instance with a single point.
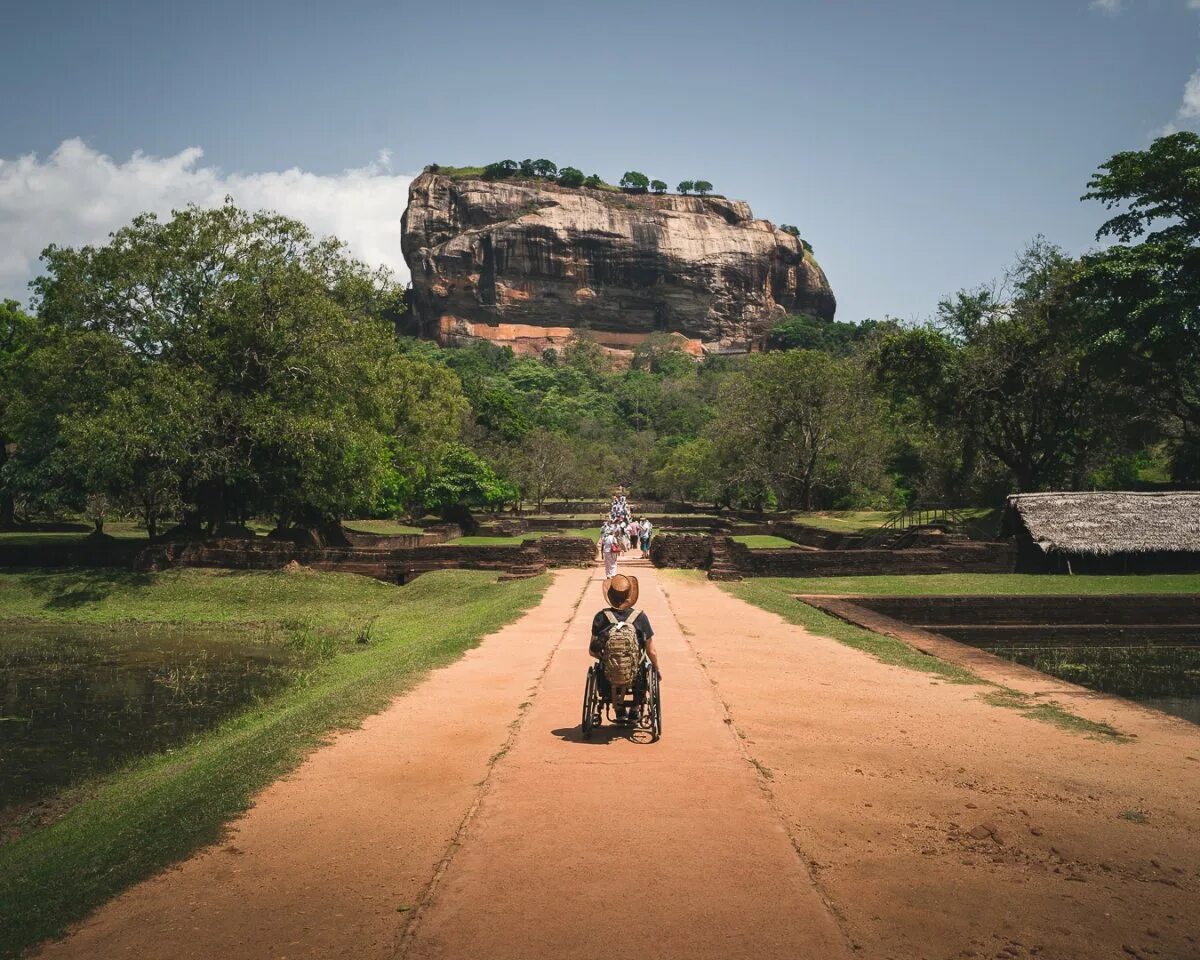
(8, 504)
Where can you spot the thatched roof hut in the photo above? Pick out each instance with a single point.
(1105, 530)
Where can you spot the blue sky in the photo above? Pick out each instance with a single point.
(918, 145)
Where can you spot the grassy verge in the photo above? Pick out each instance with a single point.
(977, 521)
(383, 527)
(156, 811)
(777, 596)
(764, 542)
(1051, 712)
(764, 593)
(986, 584)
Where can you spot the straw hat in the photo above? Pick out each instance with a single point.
(621, 592)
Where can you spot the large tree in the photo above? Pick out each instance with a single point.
(801, 426)
(1142, 294)
(1006, 371)
(16, 340)
(277, 345)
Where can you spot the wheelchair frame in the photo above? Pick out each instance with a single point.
(597, 707)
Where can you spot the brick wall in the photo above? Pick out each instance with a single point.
(680, 550)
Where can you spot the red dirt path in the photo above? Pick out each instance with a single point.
(469, 819)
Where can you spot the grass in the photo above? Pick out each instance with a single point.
(120, 529)
(765, 593)
(776, 595)
(1051, 712)
(590, 533)
(986, 584)
(384, 527)
(977, 521)
(764, 542)
(158, 810)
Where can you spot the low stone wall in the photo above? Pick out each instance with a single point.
(952, 558)
(812, 537)
(77, 553)
(565, 551)
(1121, 609)
(682, 551)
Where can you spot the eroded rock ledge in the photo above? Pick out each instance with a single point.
(528, 262)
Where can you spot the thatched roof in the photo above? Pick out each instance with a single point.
(1105, 523)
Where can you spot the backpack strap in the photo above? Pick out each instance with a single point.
(611, 617)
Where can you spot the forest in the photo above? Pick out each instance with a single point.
(221, 365)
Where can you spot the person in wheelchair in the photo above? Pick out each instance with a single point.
(621, 593)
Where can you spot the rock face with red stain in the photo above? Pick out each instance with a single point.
(526, 263)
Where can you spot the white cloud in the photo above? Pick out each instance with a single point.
(1190, 108)
(78, 195)
(1114, 6)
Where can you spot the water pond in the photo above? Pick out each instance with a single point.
(1164, 677)
(77, 700)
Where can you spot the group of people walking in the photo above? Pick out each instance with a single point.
(621, 532)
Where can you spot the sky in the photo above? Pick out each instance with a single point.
(917, 144)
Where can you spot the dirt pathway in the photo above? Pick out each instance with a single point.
(612, 848)
(941, 826)
(806, 801)
(328, 860)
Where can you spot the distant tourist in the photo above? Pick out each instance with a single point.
(610, 550)
(646, 531)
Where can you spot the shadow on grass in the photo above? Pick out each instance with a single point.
(73, 588)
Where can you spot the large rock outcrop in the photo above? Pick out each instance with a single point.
(528, 262)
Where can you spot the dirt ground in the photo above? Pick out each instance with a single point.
(806, 801)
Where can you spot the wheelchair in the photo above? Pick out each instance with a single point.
(642, 702)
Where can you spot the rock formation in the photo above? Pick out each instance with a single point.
(528, 262)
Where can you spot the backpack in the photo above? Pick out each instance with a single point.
(621, 654)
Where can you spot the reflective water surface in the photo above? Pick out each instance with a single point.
(80, 699)
(1164, 677)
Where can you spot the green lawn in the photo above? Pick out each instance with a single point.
(764, 542)
(977, 521)
(121, 529)
(133, 823)
(984, 584)
(777, 596)
(589, 533)
(383, 527)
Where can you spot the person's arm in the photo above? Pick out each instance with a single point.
(643, 624)
(653, 655)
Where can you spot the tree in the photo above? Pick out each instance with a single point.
(812, 333)
(540, 464)
(685, 186)
(16, 340)
(500, 169)
(594, 181)
(801, 426)
(570, 177)
(1142, 300)
(658, 186)
(702, 187)
(691, 471)
(545, 168)
(526, 168)
(286, 343)
(464, 479)
(1008, 371)
(790, 228)
(635, 180)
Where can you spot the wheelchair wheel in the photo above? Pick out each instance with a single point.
(590, 704)
(655, 706)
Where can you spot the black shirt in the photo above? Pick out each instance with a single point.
(641, 624)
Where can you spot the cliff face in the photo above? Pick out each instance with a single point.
(527, 263)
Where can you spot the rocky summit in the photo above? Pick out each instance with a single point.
(529, 262)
